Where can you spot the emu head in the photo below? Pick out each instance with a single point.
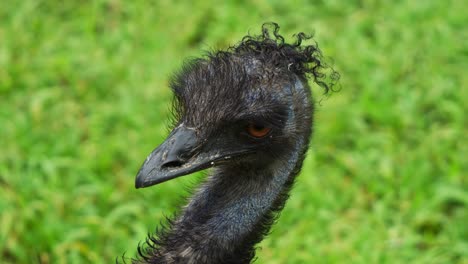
(244, 106)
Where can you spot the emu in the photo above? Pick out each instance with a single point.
(246, 112)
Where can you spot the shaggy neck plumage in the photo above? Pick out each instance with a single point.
(229, 214)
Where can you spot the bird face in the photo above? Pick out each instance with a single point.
(228, 111)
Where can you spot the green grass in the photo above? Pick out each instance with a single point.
(84, 99)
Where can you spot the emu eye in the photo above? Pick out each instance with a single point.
(257, 130)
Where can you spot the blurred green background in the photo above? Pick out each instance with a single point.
(84, 99)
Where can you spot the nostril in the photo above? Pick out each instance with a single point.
(172, 163)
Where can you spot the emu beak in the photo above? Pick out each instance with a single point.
(170, 159)
(183, 153)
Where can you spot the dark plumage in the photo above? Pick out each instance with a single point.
(246, 112)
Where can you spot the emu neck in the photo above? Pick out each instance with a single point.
(230, 212)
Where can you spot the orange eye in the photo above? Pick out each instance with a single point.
(258, 131)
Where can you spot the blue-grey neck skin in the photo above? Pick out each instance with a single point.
(235, 207)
